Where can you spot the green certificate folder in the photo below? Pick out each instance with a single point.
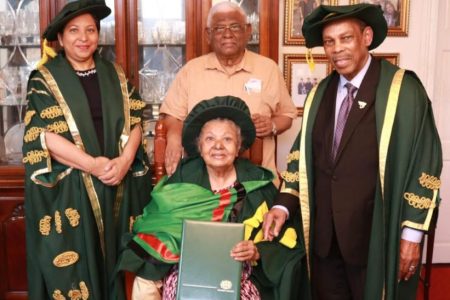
(206, 269)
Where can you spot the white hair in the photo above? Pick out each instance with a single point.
(223, 7)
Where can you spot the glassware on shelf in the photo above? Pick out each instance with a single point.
(253, 19)
(157, 75)
(14, 80)
(14, 142)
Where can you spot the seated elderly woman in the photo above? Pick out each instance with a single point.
(214, 133)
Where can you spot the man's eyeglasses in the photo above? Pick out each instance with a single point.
(234, 28)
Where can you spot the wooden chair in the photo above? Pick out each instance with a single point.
(254, 153)
(427, 266)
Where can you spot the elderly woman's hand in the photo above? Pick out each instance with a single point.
(245, 251)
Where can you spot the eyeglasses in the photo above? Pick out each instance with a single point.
(234, 28)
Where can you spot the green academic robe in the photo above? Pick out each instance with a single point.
(73, 221)
(187, 194)
(410, 163)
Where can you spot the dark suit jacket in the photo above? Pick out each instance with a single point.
(345, 187)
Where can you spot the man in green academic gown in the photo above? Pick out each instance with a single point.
(364, 170)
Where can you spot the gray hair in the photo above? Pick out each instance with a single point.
(222, 7)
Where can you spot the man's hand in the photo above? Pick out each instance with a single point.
(174, 149)
(409, 259)
(173, 155)
(273, 221)
(263, 125)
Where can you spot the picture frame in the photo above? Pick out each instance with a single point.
(393, 58)
(396, 13)
(299, 78)
(294, 13)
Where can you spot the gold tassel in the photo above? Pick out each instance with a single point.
(310, 60)
(47, 52)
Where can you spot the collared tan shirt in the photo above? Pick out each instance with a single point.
(257, 80)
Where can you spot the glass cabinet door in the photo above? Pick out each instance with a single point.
(161, 47)
(19, 54)
(107, 38)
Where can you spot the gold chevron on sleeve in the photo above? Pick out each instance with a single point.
(429, 181)
(35, 156)
(58, 127)
(136, 104)
(293, 156)
(32, 134)
(51, 112)
(28, 116)
(289, 176)
(418, 202)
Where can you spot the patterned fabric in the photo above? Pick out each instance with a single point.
(342, 117)
(248, 289)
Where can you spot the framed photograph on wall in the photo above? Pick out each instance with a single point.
(294, 13)
(393, 58)
(396, 13)
(300, 79)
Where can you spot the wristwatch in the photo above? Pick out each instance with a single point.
(274, 128)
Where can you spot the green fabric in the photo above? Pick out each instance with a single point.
(70, 192)
(171, 204)
(278, 266)
(414, 148)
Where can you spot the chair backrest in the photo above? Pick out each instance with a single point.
(254, 153)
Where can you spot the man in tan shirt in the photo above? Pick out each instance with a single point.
(229, 70)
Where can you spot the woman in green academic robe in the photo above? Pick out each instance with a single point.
(86, 169)
(214, 184)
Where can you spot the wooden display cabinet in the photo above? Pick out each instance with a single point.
(129, 52)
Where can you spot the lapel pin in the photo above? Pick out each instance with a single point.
(362, 104)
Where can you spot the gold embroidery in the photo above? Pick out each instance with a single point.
(84, 290)
(429, 182)
(75, 294)
(58, 127)
(293, 156)
(66, 259)
(41, 80)
(44, 225)
(33, 90)
(419, 202)
(58, 224)
(73, 216)
(131, 91)
(136, 104)
(32, 134)
(35, 156)
(135, 120)
(290, 177)
(51, 112)
(57, 295)
(28, 116)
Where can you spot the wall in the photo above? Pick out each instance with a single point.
(422, 52)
